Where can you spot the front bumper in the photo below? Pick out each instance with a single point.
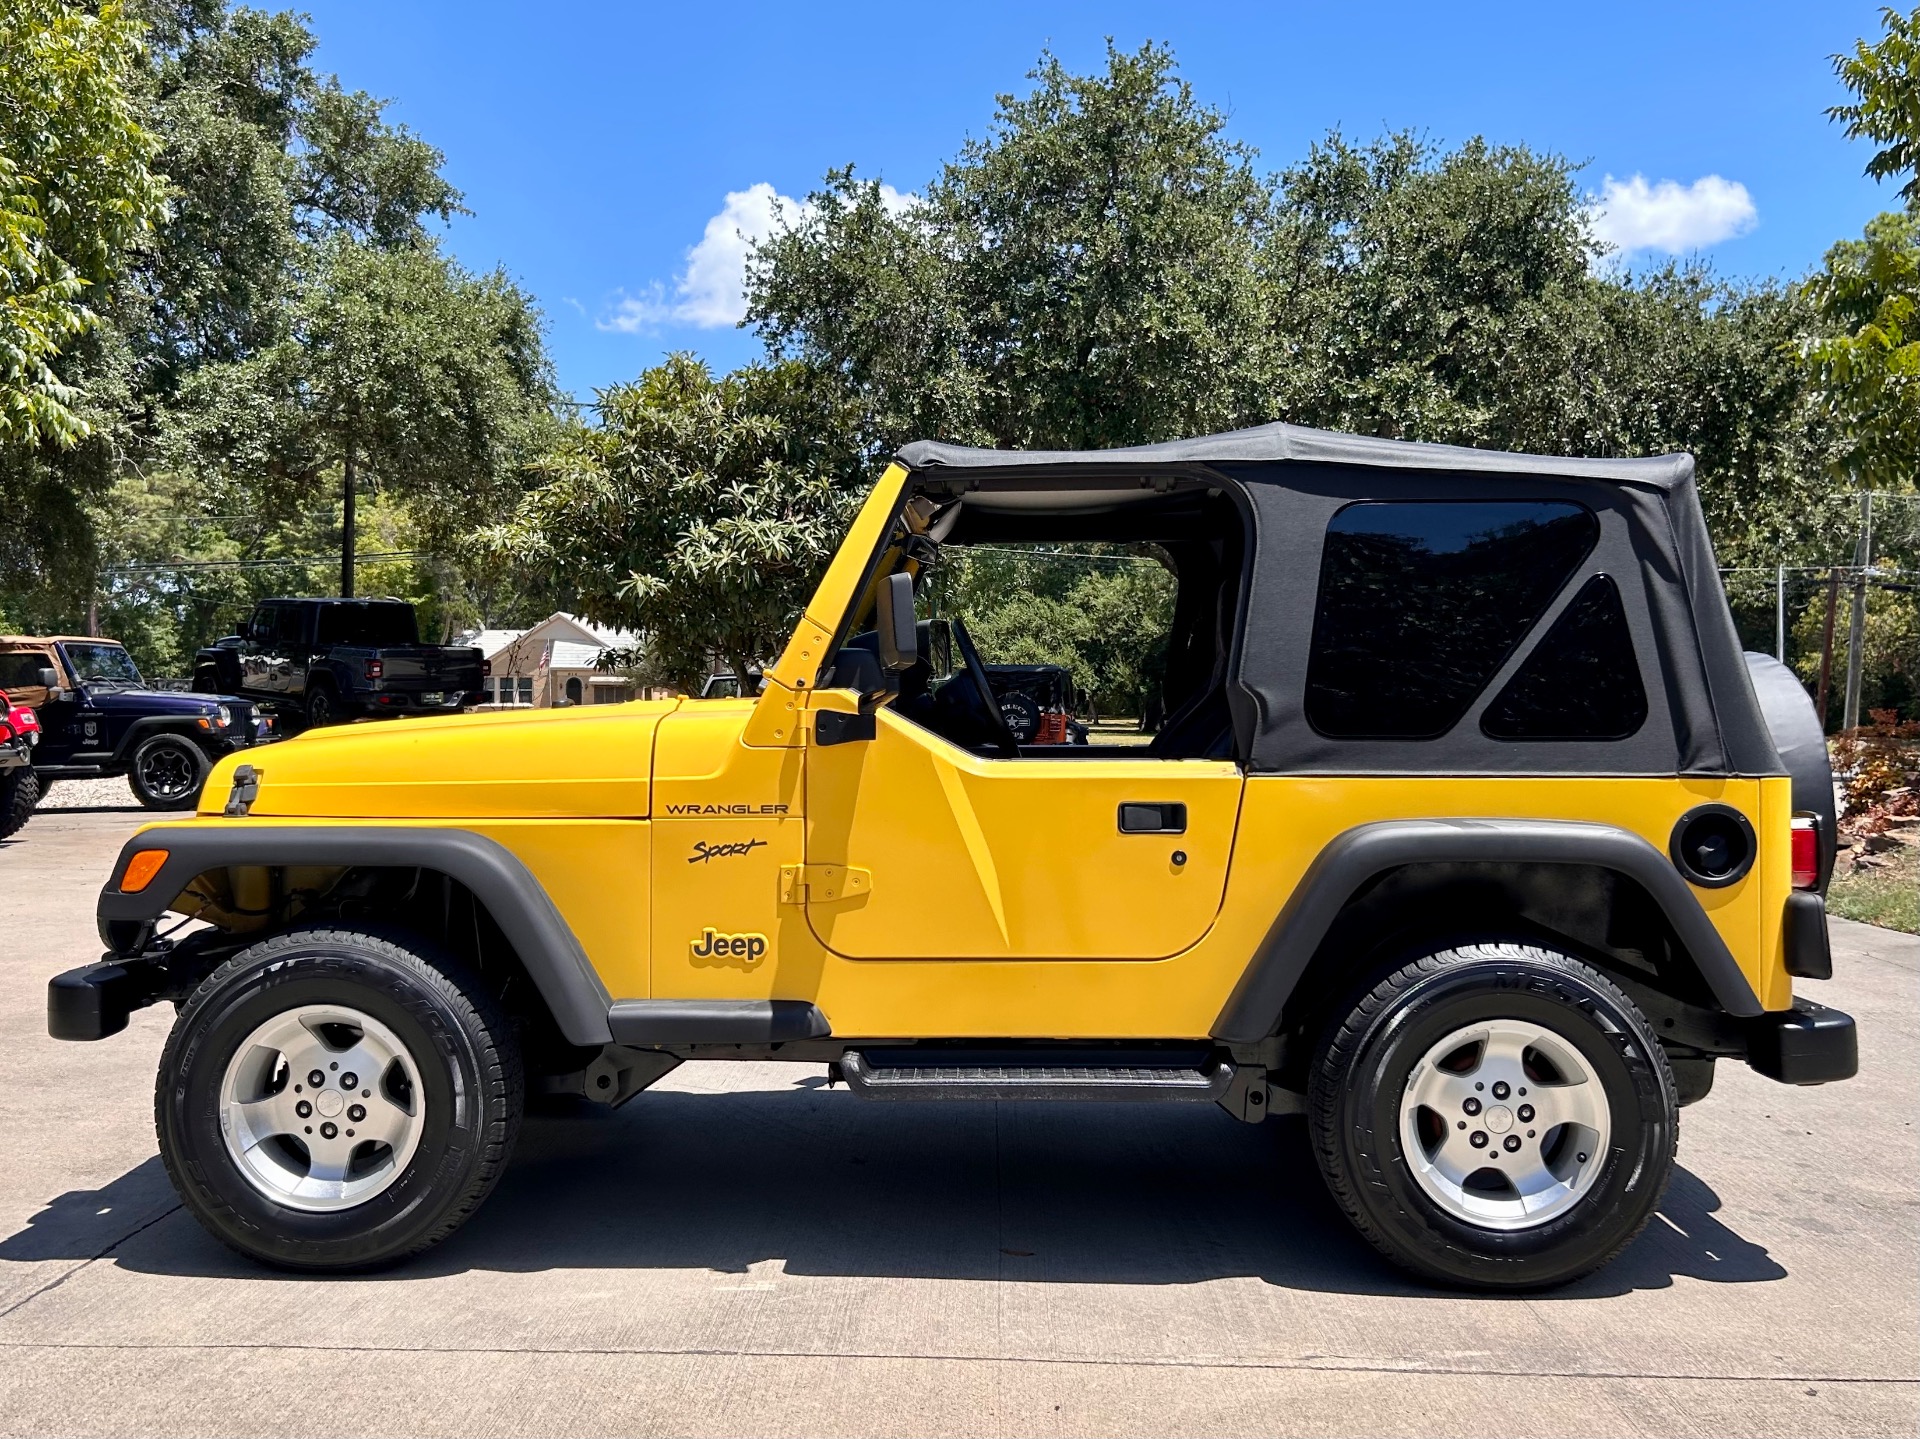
(95, 1000)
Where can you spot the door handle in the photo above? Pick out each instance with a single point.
(1141, 818)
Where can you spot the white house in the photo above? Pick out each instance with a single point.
(551, 663)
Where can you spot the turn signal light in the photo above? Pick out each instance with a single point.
(141, 869)
(1806, 852)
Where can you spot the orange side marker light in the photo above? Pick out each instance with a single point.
(141, 869)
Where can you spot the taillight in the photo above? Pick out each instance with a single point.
(375, 668)
(1806, 852)
(486, 669)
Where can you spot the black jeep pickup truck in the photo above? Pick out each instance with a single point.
(331, 660)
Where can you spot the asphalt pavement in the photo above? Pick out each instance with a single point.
(743, 1251)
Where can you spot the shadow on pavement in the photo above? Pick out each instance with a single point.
(831, 1185)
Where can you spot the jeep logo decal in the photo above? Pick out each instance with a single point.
(712, 947)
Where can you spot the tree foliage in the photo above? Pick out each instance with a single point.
(76, 192)
(698, 511)
(1106, 267)
(1867, 367)
(290, 308)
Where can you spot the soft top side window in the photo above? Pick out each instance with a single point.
(1581, 681)
(1421, 602)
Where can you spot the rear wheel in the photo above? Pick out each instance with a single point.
(323, 707)
(1498, 1115)
(167, 772)
(19, 793)
(330, 1099)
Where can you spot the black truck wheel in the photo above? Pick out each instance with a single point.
(330, 1099)
(1497, 1115)
(323, 707)
(19, 793)
(167, 772)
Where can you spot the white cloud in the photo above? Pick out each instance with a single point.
(1634, 215)
(710, 291)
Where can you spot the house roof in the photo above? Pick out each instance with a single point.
(559, 627)
(569, 655)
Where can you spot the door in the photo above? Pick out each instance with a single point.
(257, 672)
(918, 849)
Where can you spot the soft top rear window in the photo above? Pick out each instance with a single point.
(1421, 602)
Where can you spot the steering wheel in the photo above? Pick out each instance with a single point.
(976, 672)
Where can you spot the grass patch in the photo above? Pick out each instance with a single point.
(1888, 896)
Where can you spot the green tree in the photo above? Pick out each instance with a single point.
(1086, 275)
(75, 193)
(296, 212)
(699, 511)
(1868, 367)
(397, 369)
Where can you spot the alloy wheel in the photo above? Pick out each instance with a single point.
(321, 1108)
(1504, 1124)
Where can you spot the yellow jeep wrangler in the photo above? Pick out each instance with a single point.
(1468, 832)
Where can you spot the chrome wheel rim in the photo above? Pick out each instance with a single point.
(167, 772)
(1505, 1124)
(321, 1108)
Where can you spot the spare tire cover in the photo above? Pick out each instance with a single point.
(1802, 743)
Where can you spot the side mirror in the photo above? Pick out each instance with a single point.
(898, 635)
(49, 678)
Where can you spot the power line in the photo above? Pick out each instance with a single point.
(309, 561)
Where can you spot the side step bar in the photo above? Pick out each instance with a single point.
(907, 1074)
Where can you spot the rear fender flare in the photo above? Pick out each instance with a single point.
(1253, 1010)
(559, 967)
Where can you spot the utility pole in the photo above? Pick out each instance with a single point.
(1780, 613)
(1857, 621)
(346, 529)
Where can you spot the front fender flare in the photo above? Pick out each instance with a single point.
(1252, 1011)
(525, 913)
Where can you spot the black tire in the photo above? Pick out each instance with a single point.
(206, 680)
(323, 707)
(167, 772)
(19, 793)
(473, 1097)
(1362, 1070)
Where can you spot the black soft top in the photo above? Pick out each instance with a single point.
(1704, 719)
(1299, 445)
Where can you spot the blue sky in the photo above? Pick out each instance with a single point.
(598, 144)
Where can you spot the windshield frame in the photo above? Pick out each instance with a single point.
(69, 653)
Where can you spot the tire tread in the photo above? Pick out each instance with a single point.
(1334, 1061)
(498, 1058)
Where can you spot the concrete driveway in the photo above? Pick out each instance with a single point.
(744, 1251)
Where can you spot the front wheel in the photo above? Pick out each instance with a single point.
(330, 1099)
(167, 772)
(19, 793)
(1497, 1115)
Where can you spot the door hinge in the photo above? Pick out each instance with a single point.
(818, 883)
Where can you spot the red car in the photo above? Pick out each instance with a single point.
(19, 786)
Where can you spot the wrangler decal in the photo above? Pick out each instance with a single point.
(726, 809)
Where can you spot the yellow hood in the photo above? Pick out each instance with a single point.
(589, 762)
